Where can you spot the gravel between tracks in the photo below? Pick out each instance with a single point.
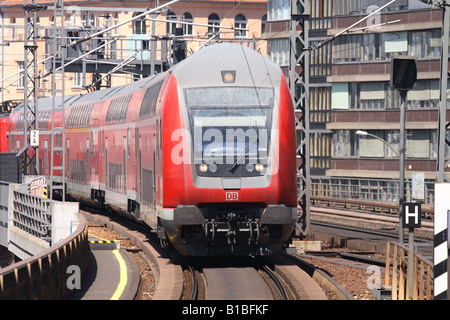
(352, 276)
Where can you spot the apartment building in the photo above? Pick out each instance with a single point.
(194, 22)
(350, 94)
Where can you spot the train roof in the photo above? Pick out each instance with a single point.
(205, 67)
(91, 97)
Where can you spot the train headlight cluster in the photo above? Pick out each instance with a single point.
(259, 167)
(204, 167)
(213, 167)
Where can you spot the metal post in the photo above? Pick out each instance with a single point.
(401, 182)
(441, 206)
(443, 96)
(299, 86)
(58, 132)
(410, 263)
(30, 85)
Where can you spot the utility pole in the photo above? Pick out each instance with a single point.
(30, 101)
(58, 132)
(443, 142)
(299, 87)
(441, 213)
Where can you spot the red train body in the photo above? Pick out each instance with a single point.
(205, 153)
(4, 129)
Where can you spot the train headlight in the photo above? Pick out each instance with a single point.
(228, 76)
(203, 167)
(213, 167)
(249, 167)
(259, 167)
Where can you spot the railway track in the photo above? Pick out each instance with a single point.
(372, 222)
(229, 280)
(386, 208)
(215, 279)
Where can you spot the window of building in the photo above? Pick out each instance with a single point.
(351, 7)
(13, 29)
(139, 26)
(83, 21)
(77, 80)
(107, 20)
(344, 143)
(320, 61)
(21, 81)
(278, 51)
(171, 27)
(278, 10)
(425, 44)
(425, 94)
(382, 46)
(418, 144)
(214, 23)
(321, 13)
(320, 150)
(38, 27)
(370, 146)
(320, 104)
(364, 96)
(116, 22)
(240, 22)
(69, 21)
(93, 21)
(263, 23)
(188, 29)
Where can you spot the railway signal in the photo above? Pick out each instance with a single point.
(411, 215)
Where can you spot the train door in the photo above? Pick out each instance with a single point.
(124, 164)
(154, 173)
(138, 161)
(106, 163)
(68, 159)
(140, 168)
(87, 161)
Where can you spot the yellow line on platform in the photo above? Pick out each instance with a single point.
(123, 276)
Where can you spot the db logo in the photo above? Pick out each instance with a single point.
(232, 196)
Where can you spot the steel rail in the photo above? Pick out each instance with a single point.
(278, 283)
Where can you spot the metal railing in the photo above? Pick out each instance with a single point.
(384, 190)
(33, 214)
(46, 275)
(398, 281)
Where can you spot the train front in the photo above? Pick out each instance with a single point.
(230, 155)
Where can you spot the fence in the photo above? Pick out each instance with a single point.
(45, 275)
(33, 214)
(398, 280)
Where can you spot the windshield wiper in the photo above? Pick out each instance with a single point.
(243, 154)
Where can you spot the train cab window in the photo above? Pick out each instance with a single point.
(231, 135)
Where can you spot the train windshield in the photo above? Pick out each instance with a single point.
(231, 129)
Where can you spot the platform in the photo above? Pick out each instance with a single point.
(112, 274)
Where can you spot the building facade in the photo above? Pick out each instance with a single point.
(149, 37)
(350, 93)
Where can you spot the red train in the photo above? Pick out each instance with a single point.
(205, 153)
(4, 128)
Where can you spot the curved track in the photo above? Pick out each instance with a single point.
(245, 278)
